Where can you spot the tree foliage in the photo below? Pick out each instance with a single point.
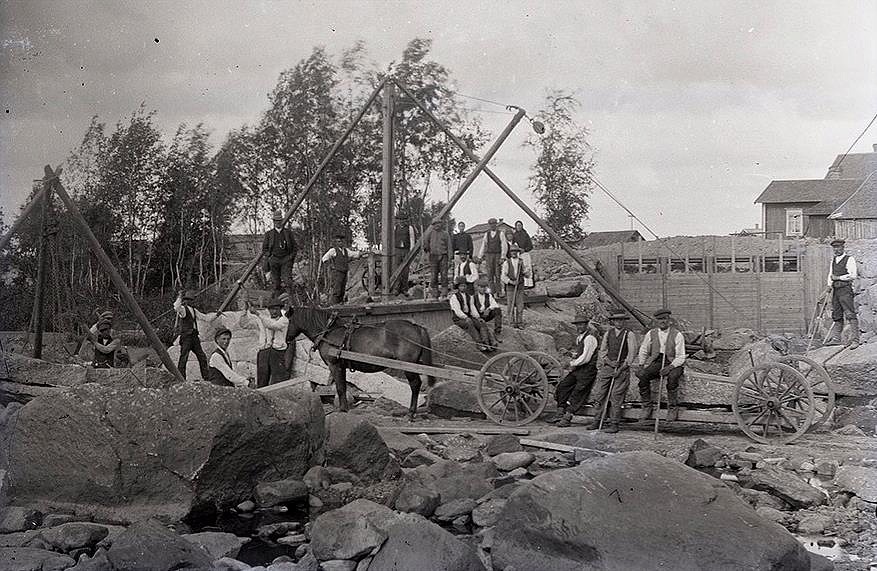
(561, 179)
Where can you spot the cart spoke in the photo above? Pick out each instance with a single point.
(752, 421)
(791, 424)
(527, 407)
(496, 402)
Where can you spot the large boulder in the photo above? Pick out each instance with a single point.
(637, 510)
(784, 484)
(448, 480)
(853, 373)
(354, 444)
(758, 352)
(448, 399)
(859, 480)
(128, 454)
(33, 559)
(568, 287)
(352, 531)
(417, 543)
(149, 546)
(734, 339)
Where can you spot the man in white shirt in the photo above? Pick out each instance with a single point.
(618, 351)
(574, 389)
(337, 259)
(661, 354)
(487, 307)
(270, 360)
(840, 280)
(221, 370)
(466, 318)
(466, 269)
(188, 327)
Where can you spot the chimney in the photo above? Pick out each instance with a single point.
(874, 146)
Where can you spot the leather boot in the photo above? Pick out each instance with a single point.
(566, 421)
(558, 416)
(836, 333)
(672, 405)
(611, 426)
(854, 333)
(648, 405)
(595, 424)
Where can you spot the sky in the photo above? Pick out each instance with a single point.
(692, 107)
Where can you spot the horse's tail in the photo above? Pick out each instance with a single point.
(426, 354)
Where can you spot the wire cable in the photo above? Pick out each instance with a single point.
(862, 134)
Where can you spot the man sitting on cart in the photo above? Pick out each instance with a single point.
(574, 389)
(661, 357)
(618, 349)
(466, 317)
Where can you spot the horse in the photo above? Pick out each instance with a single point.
(394, 339)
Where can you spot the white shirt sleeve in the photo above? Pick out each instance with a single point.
(504, 272)
(852, 269)
(178, 307)
(483, 245)
(644, 347)
(491, 302)
(679, 359)
(330, 253)
(588, 348)
(217, 362)
(455, 306)
(503, 244)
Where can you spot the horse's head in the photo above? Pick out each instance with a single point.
(306, 320)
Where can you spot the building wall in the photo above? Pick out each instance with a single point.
(818, 227)
(856, 229)
(775, 216)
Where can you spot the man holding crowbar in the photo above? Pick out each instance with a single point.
(618, 349)
(661, 356)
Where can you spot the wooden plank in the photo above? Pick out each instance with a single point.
(441, 372)
(456, 429)
(560, 447)
(685, 415)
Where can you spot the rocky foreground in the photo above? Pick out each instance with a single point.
(118, 476)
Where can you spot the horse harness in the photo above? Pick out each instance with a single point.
(331, 325)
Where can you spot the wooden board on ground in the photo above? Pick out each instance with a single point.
(456, 429)
(559, 447)
(685, 415)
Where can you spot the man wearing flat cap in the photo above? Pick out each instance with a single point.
(221, 371)
(271, 363)
(661, 355)
(618, 350)
(278, 255)
(337, 259)
(487, 306)
(188, 328)
(513, 275)
(840, 282)
(105, 343)
(493, 251)
(573, 390)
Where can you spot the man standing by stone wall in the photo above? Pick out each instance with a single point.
(840, 279)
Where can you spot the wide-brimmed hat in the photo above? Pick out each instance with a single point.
(104, 323)
(491, 221)
(579, 318)
(618, 313)
(189, 295)
(661, 312)
(105, 315)
(220, 330)
(514, 248)
(838, 242)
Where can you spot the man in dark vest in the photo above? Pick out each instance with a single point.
(221, 371)
(618, 349)
(514, 272)
(493, 251)
(487, 307)
(403, 237)
(840, 280)
(466, 318)
(105, 345)
(462, 242)
(278, 255)
(468, 270)
(661, 355)
(573, 390)
(337, 258)
(187, 325)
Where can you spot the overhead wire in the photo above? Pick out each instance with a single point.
(862, 134)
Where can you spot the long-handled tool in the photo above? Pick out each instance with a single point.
(612, 382)
(818, 314)
(660, 392)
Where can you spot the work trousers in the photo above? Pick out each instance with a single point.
(573, 390)
(339, 286)
(476, 329)
(652, 372)
(192, 343)
(515, 303)
(438, 272)
(271, 367)
(494, 264)
(401, 285)
(281, 274)
(494, 315)
(843, 306)
(618, 381)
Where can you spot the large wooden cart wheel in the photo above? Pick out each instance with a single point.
(773, 403)
(512, 389)
(820, 384)
(550, 364)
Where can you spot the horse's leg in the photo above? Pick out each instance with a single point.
(341, 387)
(414, 382)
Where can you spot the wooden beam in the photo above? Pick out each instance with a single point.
(559, 447)
(456, 430)
(34, 202)
(387, 200)
(123, 290)
(39, 302)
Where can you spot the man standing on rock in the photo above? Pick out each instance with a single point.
(337, 258)
(403, 237)
(661, 356)
(618, 350)
(514, 273)
(466, 318)
(437, 245)
(573, 390)
(840, 280)
(492, 251)
(187, 324)
(487, 307)
(468, 270)
(271, 359)
(278, 255)
(525, 243)
(221, 371)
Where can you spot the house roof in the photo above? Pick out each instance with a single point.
(596, 239)
(823, 208)
(854, 165)
(813, 190)
(482, 228)
(862, 204)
